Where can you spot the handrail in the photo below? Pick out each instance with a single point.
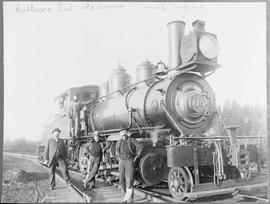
(129, 86)
(179, 68)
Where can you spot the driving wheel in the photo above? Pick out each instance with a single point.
(83, 160)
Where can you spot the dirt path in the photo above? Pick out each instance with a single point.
(31, 186)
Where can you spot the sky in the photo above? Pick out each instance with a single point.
(50, 47)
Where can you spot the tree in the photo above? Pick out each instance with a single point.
(250, 119)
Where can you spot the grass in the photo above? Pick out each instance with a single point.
(30, 190)
(22, 146)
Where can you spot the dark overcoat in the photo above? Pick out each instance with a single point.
(51, 148)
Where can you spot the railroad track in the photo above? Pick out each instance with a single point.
(87, 195)
(141, 195)
(110, 193)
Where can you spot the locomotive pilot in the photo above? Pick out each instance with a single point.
(126, 149)
(74, 114)
(94, 148)
(56, 153)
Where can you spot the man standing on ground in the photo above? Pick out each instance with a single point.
(94, 148)
(56, 153)
(126, 149)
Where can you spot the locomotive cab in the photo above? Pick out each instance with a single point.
(60, 115)
(85, 94)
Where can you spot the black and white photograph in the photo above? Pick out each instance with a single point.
(134, 102)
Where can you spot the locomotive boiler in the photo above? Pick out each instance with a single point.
(184, 102)
(169, 109)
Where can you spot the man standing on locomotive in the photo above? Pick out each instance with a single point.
(126, 149)
(74, 114)
(56, 153)
(94, 148)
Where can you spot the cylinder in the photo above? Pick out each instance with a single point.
(152, 168)
(175, 34)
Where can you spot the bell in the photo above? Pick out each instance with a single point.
(161, 69)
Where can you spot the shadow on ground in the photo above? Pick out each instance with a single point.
(38, 176)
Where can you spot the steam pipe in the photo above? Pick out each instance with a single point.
(130, 119)
(174, 122)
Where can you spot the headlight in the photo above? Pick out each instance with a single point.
(209, 46)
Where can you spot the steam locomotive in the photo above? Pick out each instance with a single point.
(169, 109)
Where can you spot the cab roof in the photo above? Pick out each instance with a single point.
(79, 90)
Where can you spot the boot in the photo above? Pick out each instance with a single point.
(129, 195)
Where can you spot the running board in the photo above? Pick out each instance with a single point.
(226, 190)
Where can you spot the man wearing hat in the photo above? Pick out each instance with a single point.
(56, 153)
(128, 150)
(94, 152)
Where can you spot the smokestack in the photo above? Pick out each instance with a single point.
(175, 34)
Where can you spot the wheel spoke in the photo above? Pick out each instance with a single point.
(182, 188)
(174, 174)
